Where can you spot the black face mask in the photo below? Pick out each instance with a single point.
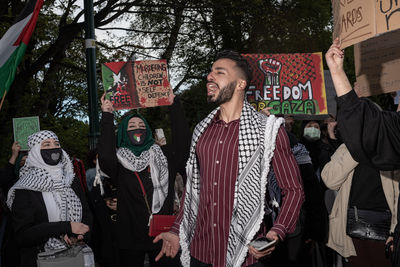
(137, 136)
(51, 156)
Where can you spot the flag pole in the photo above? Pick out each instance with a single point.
(2, 100)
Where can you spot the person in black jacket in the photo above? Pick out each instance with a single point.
(133, 162)
(48, 208)
(371, 135)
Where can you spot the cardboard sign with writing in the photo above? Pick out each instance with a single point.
(23, 128)
(138, 84)
(289, 83)
(377, 62)
(387, 15)
(359, 20)
(152, 84)
(354, 20)
(119, 84)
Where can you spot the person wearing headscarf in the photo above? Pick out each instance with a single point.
(132, 155)
(48, 208)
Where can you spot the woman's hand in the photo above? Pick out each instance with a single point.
(72, 240)
(79, 228)
(335, 57)
(106, 105)
(112, 203)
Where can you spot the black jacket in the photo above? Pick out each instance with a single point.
(31, 224)
(132, 213)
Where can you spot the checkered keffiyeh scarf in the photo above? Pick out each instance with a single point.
(35, 176)
(158, 170)
(257, 134)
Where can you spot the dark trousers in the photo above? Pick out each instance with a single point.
(369, 253)
(135, 258)
(196, 263)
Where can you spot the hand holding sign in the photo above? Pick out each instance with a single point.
(335, 57)
(106, 105)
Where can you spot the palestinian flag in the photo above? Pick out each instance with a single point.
(119, 84)
(14, 43)
(137, 136)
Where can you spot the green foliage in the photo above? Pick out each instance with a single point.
(51, 80)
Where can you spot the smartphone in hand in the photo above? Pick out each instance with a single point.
(262, 243)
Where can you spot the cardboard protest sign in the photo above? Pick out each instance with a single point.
(354, 20)
(152, 84)
(387, 15)
(359, 20)
(24, 127)
(289, 83)
(119, 84)
(138, 84)
(377, 63)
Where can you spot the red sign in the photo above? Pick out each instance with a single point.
(289, 83)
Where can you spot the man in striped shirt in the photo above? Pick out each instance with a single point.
(231, 154)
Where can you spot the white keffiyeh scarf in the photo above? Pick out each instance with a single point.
(158, 170)
(257, 134)
(37, 176)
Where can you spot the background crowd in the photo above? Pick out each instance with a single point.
(49, 200)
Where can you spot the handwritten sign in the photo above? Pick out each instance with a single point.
(377, 62)
(359, 20)
(387, 15)
(152, 83)
(289, 83)
(23, 128)
(138, 84)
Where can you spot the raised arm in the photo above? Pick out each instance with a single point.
(372, 136)
(107, 142)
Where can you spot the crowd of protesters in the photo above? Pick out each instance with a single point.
(327, 195)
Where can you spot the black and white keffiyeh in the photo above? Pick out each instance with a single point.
(257, 134)
(158, 170)
(36, 175)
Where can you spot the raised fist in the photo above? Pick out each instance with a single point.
(271, 68)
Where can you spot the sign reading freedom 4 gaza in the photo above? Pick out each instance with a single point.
(138, 84)
(289, 83)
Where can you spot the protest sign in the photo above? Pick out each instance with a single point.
(289, 83)
(152, 84)
(24, 127)
(377, 63)
(387, 15)
(118, 83)
(138, 84)
(359, 20)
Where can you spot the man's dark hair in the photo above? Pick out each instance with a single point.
(241, 63)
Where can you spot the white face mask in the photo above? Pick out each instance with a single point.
(312, 133)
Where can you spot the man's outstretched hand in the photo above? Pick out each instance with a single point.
(170, 245)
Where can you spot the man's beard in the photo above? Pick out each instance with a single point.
(225, 94)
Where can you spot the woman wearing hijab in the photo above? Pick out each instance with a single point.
(48, 207)
(133, 155)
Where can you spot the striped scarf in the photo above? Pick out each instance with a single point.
(257, 134)
(158, 170)
(35, 176)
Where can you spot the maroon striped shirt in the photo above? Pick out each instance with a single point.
(217, 151)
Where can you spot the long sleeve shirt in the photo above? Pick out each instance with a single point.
(372, 136)
(217, 151)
